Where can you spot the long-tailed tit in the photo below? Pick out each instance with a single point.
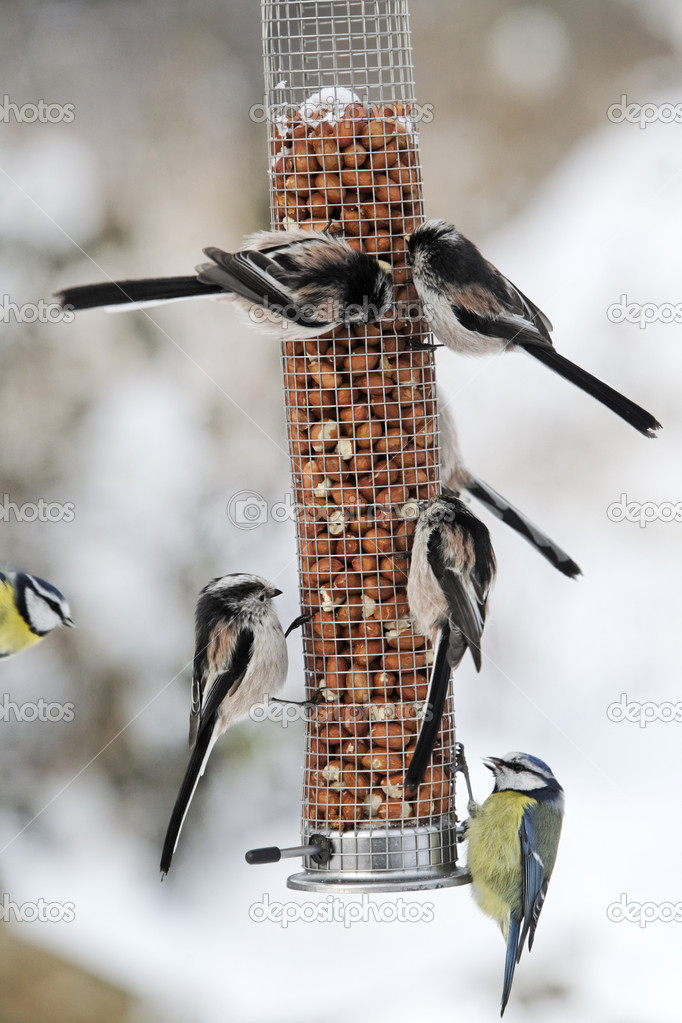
(452, 569)
(474, 310)
(302, 282)
(240, 657)
(456, 477)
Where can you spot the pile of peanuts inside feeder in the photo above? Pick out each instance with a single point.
(363, 435)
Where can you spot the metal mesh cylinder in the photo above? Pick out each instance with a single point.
(362, 423)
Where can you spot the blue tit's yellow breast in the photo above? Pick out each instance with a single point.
(494, 854)
(15, 634)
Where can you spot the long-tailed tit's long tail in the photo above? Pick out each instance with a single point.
(512, 517)
(433, 713)
(147, 292)
(200, 754)
(633, 414)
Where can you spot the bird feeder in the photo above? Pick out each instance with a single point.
(363, 437)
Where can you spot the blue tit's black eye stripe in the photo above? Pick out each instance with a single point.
(22, 584)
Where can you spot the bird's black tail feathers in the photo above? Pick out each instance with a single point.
(618, 403)
(189, 783)
(511, 516)
(433, 715)
(151, 291)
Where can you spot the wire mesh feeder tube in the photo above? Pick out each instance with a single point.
(362, 424)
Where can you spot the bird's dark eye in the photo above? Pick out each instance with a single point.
(262, 596)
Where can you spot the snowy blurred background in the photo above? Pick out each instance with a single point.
(148, 424)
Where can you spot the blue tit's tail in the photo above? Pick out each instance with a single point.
(115, 295)
(511, 516)
(433, 714)
(195, 769)
(509, 963)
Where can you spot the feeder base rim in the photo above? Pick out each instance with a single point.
(316, 881)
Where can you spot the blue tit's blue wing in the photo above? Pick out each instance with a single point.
(533, 877)
(509, 962)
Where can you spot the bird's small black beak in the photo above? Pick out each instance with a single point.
(492, 763)
(69, 622)
(276, 593)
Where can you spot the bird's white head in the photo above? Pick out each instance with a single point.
(239, 593)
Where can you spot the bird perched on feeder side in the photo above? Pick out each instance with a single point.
(512, 847)
(240, 658)
(457, 477)
(29, 608)
(452, 569)
(299, 282)
(474, 310)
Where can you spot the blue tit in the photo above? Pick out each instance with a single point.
(240, 658)
(512, 845)
(29, 609)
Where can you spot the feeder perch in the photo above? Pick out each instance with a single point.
(363, 437)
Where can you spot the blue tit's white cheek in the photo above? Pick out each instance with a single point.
(40, 615)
